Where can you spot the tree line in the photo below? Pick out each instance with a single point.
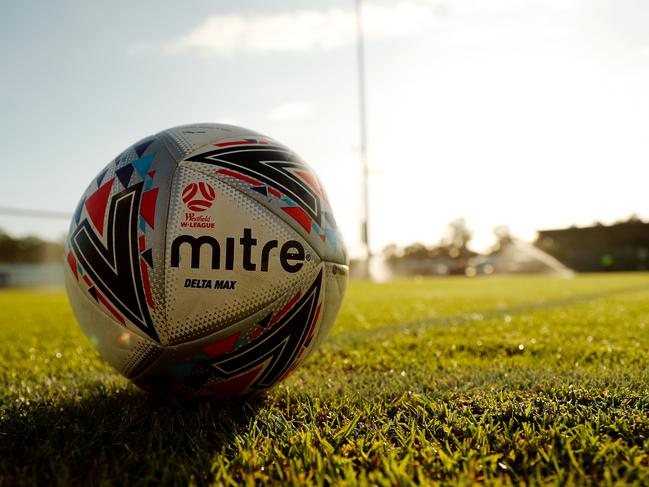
(28, 250)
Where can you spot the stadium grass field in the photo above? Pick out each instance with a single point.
(503, 380)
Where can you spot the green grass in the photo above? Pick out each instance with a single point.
(505, 380)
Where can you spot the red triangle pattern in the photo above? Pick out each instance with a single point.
(236, 386)
(146, 283)
(315, 320)
(300, 216)
(147, 208)
(256, 333)
(286, 307)
(288, 372)
(310, 180)
(110, 308)
(72, 261)
(222, 346)
(96, 205)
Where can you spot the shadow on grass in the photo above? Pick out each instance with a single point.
(125, 438)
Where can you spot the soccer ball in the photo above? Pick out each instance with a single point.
(205, 260)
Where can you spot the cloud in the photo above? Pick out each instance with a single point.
(505, 7)
(289, 111)
(303, 30)
(310, 30)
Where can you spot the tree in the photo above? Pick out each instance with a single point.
(458, 234)
(504, 237)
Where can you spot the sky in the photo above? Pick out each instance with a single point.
(527, 113)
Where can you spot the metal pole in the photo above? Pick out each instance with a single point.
(363, 129)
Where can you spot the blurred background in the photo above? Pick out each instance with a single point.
(499, 136)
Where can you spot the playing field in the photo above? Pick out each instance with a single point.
(438, 380)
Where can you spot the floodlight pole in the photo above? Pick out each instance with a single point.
(360, 57)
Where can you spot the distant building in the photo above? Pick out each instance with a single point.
(518, 257)
(619, 247)
(419, 260)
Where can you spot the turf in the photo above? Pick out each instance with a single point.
(505, 380)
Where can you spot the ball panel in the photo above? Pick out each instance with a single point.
(116, 241)
(335, 281)
(127, 351)
(226, 262)
(278, 179)
(252, 354)
(185, 139)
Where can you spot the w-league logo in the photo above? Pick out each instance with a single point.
(198, 196)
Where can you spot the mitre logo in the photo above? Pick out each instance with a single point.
(250, 256)
(198, 196)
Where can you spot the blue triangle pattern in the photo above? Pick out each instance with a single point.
(140, 148)
(100, 178)
(77, 212)
(143, 164)
(180, 370)
(260, 189)
(288, 202)
(331, 236)
(124, 174)
(147, 255)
